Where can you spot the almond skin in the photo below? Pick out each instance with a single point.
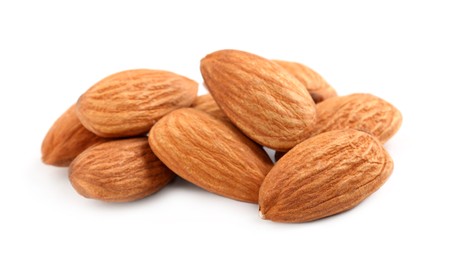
(210, 154)
(316, 85)
(66, 139)
(325, 175)
(128, 103)
(119, 171)
(260, 97)
(207, 104)
(363, 112)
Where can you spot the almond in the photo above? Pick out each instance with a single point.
(363, 112)
(128, 103)
(210, 154)
(119, 171)
(66, 139)
(324, 175)
(260, 97)
(319, 89)
(207, 104)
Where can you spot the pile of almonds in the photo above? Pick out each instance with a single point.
(132, 132)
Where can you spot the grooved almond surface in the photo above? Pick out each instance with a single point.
(128, 103)
(66, 139)
(316, 85)
(211, 154)
(363, 112)
(324, 175)
(260, 97)
(207, 104)
(119, 171)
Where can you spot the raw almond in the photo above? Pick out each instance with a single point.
(211, 154)
(363, 112)
(128, 103)
(119, 171)
(260, 97)
(316, 85)
(325, 175)
(207, 104)
(66, 139)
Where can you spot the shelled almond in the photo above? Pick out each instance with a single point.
(352, 165)
(260, 97)
(128, 103)
(66, 139)
(129, 134)
(316, 85)
(232, 166)
(119, 171)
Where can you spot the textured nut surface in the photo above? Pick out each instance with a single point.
(211, 154)
(316, 85)
(207, 104)
(119, 171)
(260, 97)
(66, 139)
(324, 175)
(363, 112)
(128, 103)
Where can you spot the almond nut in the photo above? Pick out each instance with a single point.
(210, 154)
(128, 103)
(325, 175)
(66, 139)
(207, 104)
(363, 112)
(316, 85)
(260, 97)
(119, 171)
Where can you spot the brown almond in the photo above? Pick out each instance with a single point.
(119, 171)
(128, 103)
(260, 97)
(207, 104)
(324, 175)
(210, 154)
(66, 139)
(316, 85)
(363, 112)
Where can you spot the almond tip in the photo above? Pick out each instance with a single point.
(262, 216)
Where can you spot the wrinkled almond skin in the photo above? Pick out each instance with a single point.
(119, 171)
(316, 85)
(325, 175)
(66, 139)
(128, 103)
(207, 104)
(260, 97)
(363, 112)
(210, 154)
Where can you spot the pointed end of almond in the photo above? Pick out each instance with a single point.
(261, 214)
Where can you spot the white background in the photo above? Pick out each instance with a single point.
(402, 51)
